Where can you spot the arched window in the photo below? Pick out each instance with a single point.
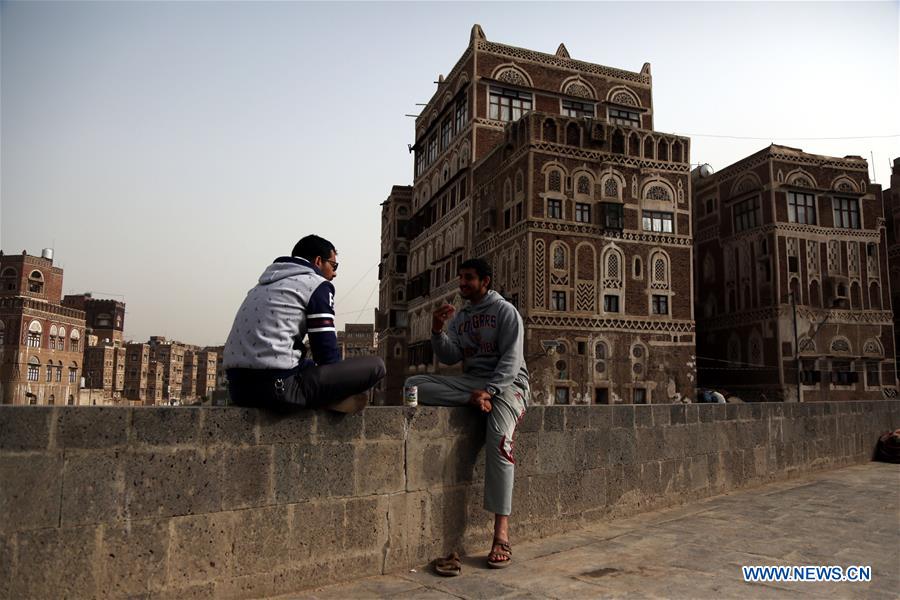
(9, 272)
(637, 268)
(74, 341)
(734, 349)
(34, 369)
(875, 295)
(549, 133)
(663, 150)
(659, 275)
(815, 298)
(709, 268)
(584, 185)
(73, 372)
(36, 282)
(560, 257)
(634, 145)
(611, 188)
(554, 181)
(754, 350)
(618, 142)
(33, 339)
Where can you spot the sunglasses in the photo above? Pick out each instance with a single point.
(333, 263)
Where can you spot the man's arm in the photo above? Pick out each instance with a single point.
(446, 347)
(320, 325)
(510, 344)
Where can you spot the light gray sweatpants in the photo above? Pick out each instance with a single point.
(508, 409)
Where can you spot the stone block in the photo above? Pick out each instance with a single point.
(692, 439)
(643, 415)
(449, 514)
(7, 564)
(410, 540)
(744, 412)
(727, 434)
(229, 425)
(691, 414)
(317, 530)
(262, 539)
(25, 428)
(622, 447)
(676, 414)
(135, 556)
(92, 427)
(582, 491)
(756, 411)
(29, 491)
(556, 452)
(384, 422)
(337, 427)
(166, 483)
(464, 420)
(200, 591)
(246, 586)
(592, 449)
(662, 415)
(538, 498)
(601, 417)
(92, 488)
(615, 484)
(380, 468)
(365, 524)
(623, 416)
(427, 461)
(676, 442)
(201, 548)
(305, 471)
(650, 480)
(731, 412)
(56, 563)
(554, 418)
(706, 412)
(667, 483)
(578, 417)
(248, 477)
(650, 445)
(432, 419)
(166, 426)
(699, 473)
(708, 442)
(532, 421)
(294, 427)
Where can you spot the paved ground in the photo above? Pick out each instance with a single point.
(845, 517)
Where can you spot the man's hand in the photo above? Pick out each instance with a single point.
(482, 400)
(440, 317)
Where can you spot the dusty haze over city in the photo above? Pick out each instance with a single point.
(169, 151)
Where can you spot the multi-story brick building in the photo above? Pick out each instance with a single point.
(791, 271)
(137, 368)
(357, 339)
(390, 316)
(169, 355)
(206, 373)
(189, 382)
(104, 318)
(40, 339)
(892, 215)
(104, 372)
(549, 167)
(155, 383)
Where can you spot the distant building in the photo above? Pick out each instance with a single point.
(189, 382)
(137, 370)
(390, 316)
(357, 339)
(206, 373)
(104, 372)
(892, 215)
(40, 339)
(169, 356)
(791, 263)
(104, 318)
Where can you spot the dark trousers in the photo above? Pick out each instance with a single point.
(313, 387)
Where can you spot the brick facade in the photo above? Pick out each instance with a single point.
(782, 229)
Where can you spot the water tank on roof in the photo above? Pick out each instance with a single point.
(47, 253)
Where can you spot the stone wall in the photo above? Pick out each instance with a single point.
(225, 502)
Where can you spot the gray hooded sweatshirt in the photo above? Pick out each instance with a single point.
(489, 338)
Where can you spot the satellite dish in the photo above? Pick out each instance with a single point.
(705, 170)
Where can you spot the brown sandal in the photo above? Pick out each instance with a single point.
(500, 559)
(448, 567)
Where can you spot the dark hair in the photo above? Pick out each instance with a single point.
(312, 246)
(480, 266)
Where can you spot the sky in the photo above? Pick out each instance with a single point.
(168, 151)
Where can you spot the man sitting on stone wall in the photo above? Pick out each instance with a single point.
(265, 357)
(488, 337)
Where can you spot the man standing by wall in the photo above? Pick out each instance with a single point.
(265, 355)
(488, 336)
